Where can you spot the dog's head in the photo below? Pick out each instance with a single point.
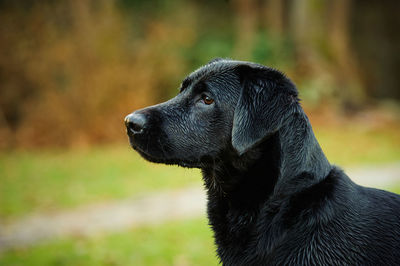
(223, 106)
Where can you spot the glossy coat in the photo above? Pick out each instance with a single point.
(273, 197)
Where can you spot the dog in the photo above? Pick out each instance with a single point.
(273, 197)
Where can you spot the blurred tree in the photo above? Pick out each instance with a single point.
(275, 15)
(375, 32)
(247, 19)
(70, 70)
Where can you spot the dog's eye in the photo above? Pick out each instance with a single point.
(207, 99)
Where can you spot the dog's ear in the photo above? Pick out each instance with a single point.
(266, 99)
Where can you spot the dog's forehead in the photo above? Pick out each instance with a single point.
(214, 69)
(206, 71)
(211, 68)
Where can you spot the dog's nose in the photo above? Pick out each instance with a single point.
(135, 122)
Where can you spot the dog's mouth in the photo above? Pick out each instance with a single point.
(148, 156)
(145, 154)
(164, 159)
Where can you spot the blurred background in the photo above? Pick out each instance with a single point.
(71, 70)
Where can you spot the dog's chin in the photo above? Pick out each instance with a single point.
(146, 155)
(158, 158)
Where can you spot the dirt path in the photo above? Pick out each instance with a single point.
(150, 209)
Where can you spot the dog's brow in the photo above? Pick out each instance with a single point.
(185, 83)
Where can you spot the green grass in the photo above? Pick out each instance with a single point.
(174, 243)
(50, 180)
(34, 181)
(358, 144)
(178, 243)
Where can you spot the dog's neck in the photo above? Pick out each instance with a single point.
(286, 161)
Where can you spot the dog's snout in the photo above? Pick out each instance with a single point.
(135, 122)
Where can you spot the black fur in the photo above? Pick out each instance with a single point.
(273, 197)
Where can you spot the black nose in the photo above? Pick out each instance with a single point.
(135, 123)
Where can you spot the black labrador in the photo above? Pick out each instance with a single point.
(273, 197)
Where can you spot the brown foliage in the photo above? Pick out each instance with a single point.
(70, 72)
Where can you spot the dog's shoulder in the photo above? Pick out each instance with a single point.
(319, 198)
(337, 197)
(340, 220)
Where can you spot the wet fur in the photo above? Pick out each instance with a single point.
(273, 197)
